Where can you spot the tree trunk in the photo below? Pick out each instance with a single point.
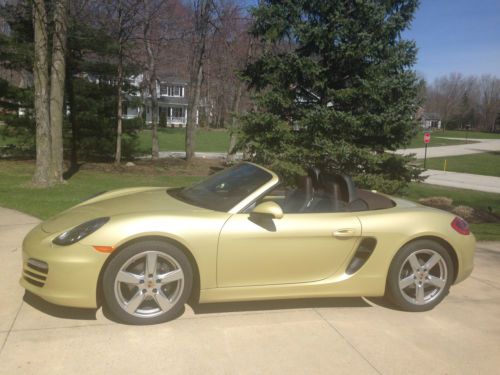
(193, 112)
(118, 152)
(233, 140)
(119, 104)
(42, 176)
(57, 80)
(72, 120)
(155, 147)
(201, 30)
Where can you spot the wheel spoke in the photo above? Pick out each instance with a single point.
(419, 294)
(162, 301)
(436, 281)
(414, 262)
(432, 262)
(135, 302)
(129, 278)
(171, 276)
(151, 259)
(406, 282)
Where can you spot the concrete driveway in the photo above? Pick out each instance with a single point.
(330, 336)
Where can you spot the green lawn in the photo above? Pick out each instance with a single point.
(486, 163)
(16, 192)
(173, 140)
(7, 140)
(463, 134)
(436, 140)
(471, 198)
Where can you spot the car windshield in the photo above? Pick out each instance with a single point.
(223, 190)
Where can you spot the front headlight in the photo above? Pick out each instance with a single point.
(81, 231)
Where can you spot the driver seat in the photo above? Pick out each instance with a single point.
(340, 189)
(299, 198)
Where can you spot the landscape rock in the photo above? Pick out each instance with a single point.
(130, 164)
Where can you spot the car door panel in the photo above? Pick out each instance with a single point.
(295, 249)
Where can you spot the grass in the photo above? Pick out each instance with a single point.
(486, 163)
(17, 193)
(471, 198)
(463, 134)
(418, 141)
(172, 139)
(437, 137)
(4, 140)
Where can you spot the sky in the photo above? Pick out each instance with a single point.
(460, 36)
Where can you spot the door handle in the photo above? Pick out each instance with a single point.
(347, 232)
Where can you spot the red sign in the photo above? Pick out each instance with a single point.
(427, 137)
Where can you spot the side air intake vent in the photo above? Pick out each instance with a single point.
(365, 249)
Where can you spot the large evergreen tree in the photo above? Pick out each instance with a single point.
(335, 89)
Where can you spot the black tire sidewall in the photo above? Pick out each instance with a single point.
(126, 253)
(392, 290)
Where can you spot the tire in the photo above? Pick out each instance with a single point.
(420, 276)
(147, 282)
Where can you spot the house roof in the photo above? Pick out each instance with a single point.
(173, 81)
(431, 116)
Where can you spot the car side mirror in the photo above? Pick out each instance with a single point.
(269, 208)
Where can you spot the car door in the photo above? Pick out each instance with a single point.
(297, 248)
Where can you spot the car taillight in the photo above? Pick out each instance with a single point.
(460, 225)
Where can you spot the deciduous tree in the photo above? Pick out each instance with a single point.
(49, 81)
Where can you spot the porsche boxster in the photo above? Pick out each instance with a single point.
(241, 235)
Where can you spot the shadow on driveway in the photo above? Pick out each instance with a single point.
(57, 311)
(75, 313)
(227, 307)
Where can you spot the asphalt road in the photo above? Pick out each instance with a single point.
(328, 336)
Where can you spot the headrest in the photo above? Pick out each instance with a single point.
(304, 183)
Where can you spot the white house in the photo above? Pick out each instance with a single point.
(172, 103)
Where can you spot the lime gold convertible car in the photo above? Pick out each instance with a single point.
(238, 236)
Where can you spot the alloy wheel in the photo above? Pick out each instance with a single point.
(423, 276)
(149, 284)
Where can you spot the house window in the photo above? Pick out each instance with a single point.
(177, 112)
(172, 91)
(177, 91)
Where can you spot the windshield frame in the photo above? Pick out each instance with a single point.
(245, 202)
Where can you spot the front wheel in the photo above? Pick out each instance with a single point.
(420, 276)
(147, 282)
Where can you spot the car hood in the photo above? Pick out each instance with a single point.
(118, 202)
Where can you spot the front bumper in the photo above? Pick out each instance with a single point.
(71, 275)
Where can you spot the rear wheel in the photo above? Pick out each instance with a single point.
(420, 276)
(147, 282)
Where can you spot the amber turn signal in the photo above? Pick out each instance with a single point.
(104, 249)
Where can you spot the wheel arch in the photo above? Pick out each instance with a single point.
(195, 292)
(451, 251)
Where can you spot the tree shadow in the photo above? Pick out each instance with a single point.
(72, 170)
(57, 311)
